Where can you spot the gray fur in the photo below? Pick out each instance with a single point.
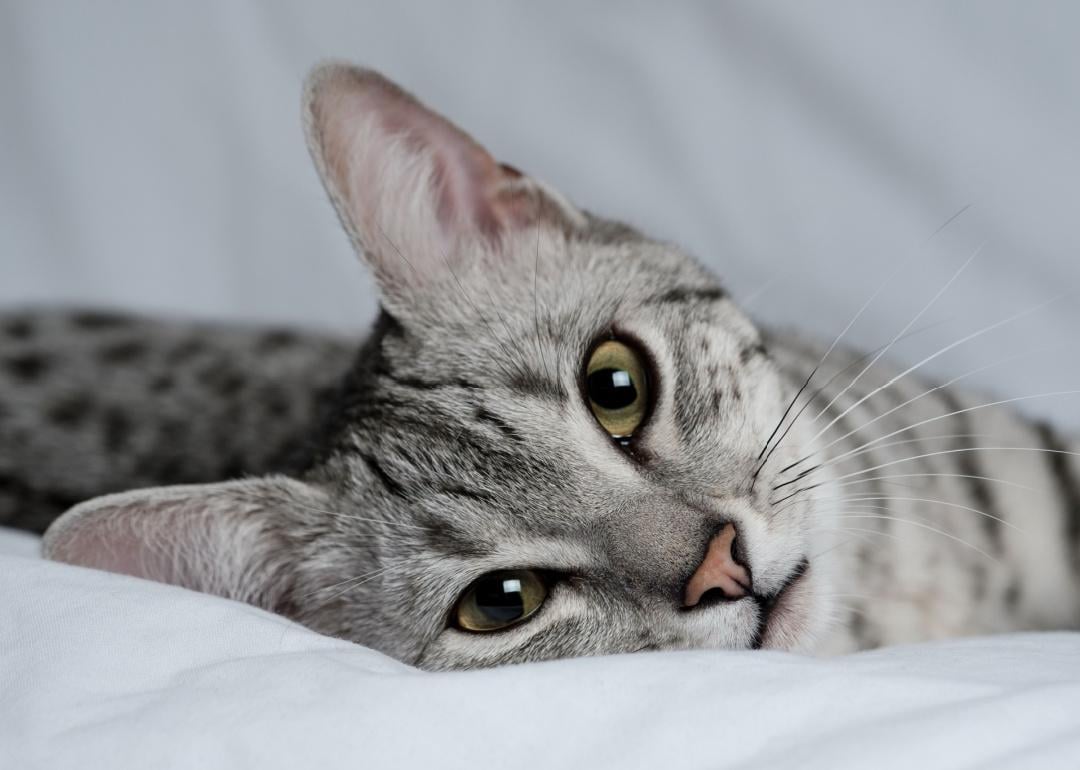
(93, 403)
(460, 444)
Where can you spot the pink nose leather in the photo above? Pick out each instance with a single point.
(718, 570)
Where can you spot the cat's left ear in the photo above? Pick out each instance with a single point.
(415, 192)
(230, 539)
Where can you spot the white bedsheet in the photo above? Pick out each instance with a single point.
(98, 670)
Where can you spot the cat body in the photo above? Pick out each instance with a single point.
(93, 403)
(561, 438)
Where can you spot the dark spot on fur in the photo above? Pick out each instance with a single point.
(122, 352)
(225, 382)
(865, 637)
(749, 352)
(979, 578)
(27, 367)
(70, 411)
(94, 319)
(173, 429)
(733, 375)
(116, 429)
(277, 402)
(162, 383)
(276, 340)
(968, 463)
(857, 624)
(1068, 486)
(1012, 595)
(186, 350)
(19, 329)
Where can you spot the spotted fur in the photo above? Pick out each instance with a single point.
(459, 442)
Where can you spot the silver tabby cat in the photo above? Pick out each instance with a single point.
(561, 438)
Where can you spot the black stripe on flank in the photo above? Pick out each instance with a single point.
(680, 295)
(1068, 486)
(968, 463)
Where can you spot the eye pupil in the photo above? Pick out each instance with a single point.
(617, 388)
(500, 600)
(612, 388)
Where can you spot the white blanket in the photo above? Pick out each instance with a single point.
(98, 670)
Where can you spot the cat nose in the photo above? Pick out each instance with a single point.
(719, 571)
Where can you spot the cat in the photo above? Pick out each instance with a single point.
(561, 438)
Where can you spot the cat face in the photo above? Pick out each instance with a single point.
(550, 446)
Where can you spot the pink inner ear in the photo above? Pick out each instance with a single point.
(467, 178)
(138, 540)
(472, 191)
(119, 551)
(227, 538)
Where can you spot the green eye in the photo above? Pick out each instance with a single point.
(617, 387)
(500, 599)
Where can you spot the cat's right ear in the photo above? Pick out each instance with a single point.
(417, 195)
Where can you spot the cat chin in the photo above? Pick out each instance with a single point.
(789, 622)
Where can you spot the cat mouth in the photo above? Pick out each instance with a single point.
(777, 613)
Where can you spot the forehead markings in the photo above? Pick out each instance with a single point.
(389, 483)
(687, 294)
(533, 384)
(417, 383)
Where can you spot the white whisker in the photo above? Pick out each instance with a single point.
(903, 331)
(919, 524)
(892, 381)
(977, 477)
(947, 415)
(353, 581)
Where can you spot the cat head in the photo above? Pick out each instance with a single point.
(551, 444)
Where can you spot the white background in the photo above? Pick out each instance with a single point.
(151, 155)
